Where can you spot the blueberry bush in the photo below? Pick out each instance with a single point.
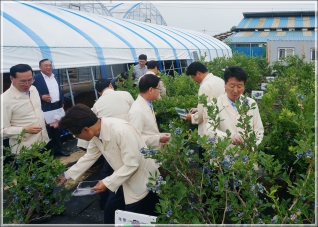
(206, 180)
(29, 181)
(231, 184)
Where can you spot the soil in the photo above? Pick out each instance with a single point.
(87, 98)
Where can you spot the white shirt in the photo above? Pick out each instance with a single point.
(53, 87)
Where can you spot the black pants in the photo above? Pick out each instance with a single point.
(56, 141)
(54, 133)
(106, 171)
(145, 206)
(115, 201)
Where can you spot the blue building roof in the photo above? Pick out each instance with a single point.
(263, 36)
(277, 22)
(280, 14)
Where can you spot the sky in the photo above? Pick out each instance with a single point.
(215, 17)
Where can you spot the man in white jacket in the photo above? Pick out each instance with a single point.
(141, 114)
(210, 85)
(22, 110)
(235, 78)
(120, 143)
(110, 104)
(153, 68)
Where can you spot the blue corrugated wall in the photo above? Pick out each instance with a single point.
(249, 51)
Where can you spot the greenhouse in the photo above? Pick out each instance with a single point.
(90, 44)
(141, 11)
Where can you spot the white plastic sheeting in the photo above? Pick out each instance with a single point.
(31, 32)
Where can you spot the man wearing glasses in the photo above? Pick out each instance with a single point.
(141, 114)
(22, 109)
(153, 68)
(51, 99)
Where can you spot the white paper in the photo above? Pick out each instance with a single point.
(54, 116)
(181, 111)
(83, 191)
(183, 116)
(84, 188)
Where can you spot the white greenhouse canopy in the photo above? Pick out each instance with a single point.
(31, 32)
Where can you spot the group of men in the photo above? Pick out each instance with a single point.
(226, 91)
(118, 127)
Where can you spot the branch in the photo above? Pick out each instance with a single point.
(295, 202)
(238, 194)
(200, 212)
(225, 207)
(185, 177)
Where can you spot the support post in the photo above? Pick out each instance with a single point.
(111, 69)
(172, 66)
(70, 86)
(93, 80)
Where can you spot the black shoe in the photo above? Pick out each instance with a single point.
(61, 153)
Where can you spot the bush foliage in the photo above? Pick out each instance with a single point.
(29, 181)
(271, 183)
(207, 180)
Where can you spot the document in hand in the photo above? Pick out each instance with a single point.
(54, 115)
(182, 112)
(84, 188)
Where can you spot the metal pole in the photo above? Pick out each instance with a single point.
(77, 74)
(111, 69)
(93, 80)
(70, 86)
(180, 61)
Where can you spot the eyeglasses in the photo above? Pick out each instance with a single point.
(157, 88)
(25, 82)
